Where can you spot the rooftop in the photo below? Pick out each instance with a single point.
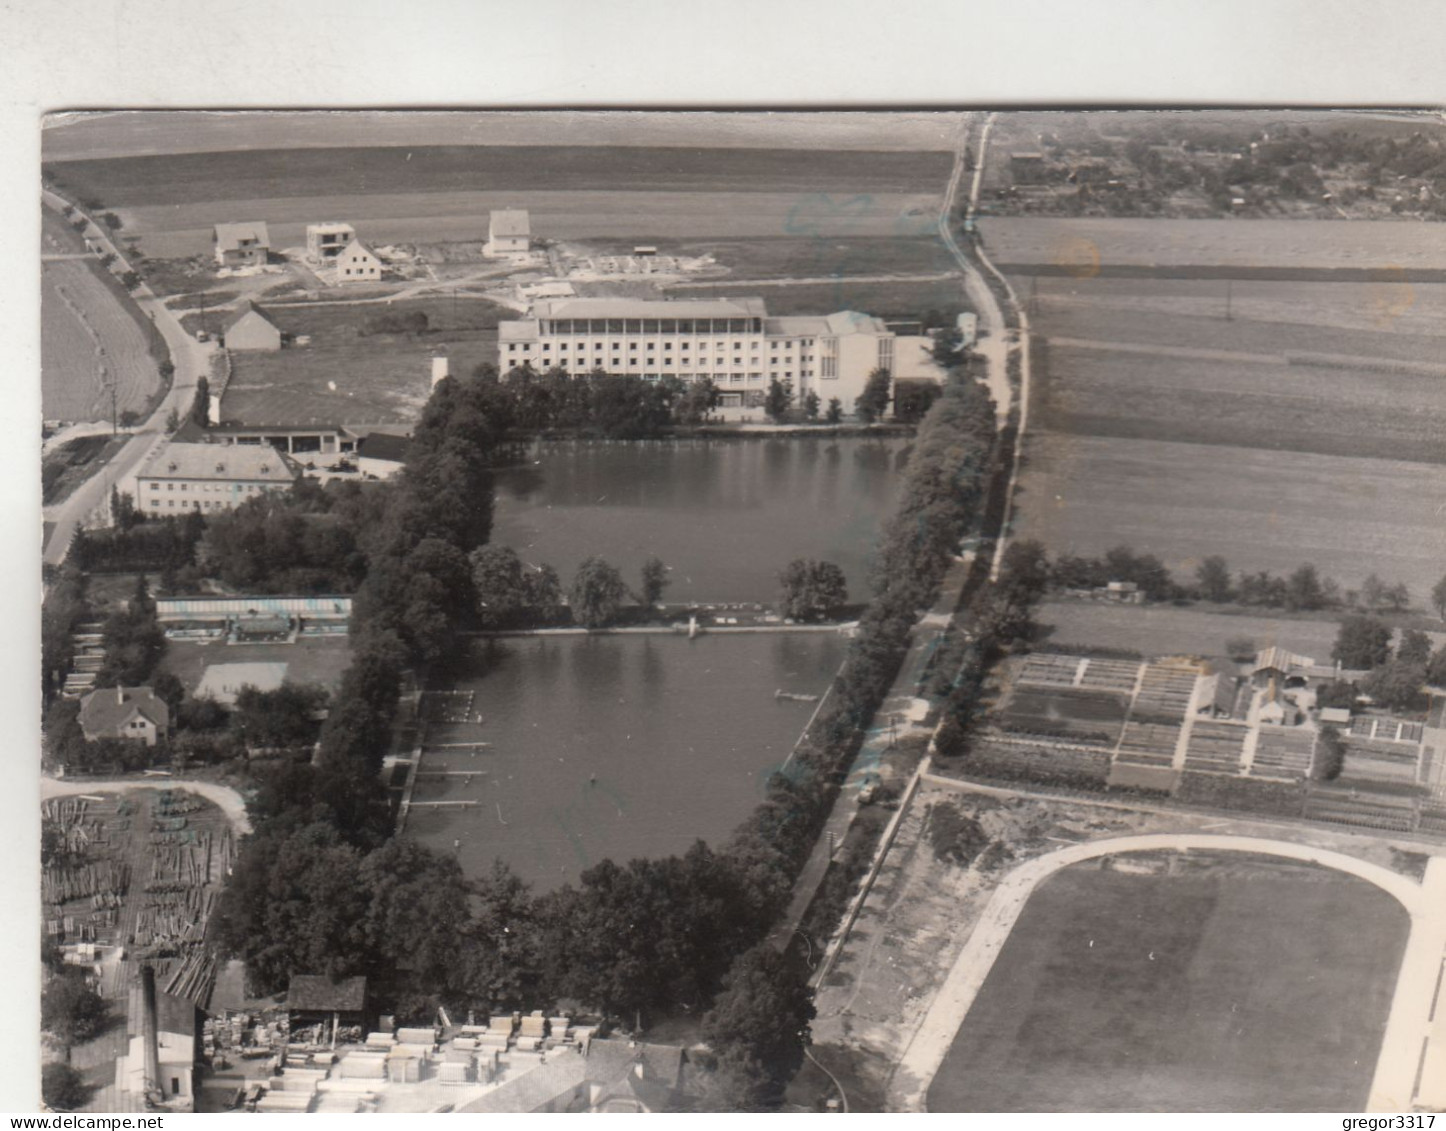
(245, 310)
(227, 462)
(231, 236)
(107, 708)
(648, 308)
(510, 222)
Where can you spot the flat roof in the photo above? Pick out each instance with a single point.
(250, 606)
(648, 308)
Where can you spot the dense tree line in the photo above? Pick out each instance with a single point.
(606, 405)
(151, 544)
(134, 641)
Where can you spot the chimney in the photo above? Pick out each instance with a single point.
(440, 370)
(120, 695)
(149, 1035)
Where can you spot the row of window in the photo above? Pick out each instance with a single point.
(729, 378)
(513, 347)
(208, 487)
(203, 504)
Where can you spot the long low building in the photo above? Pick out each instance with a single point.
(734, 342)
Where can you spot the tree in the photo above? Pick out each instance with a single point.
(499, 582)
(62, 1087)
(1024, 572)
(417, 915)
(810, 406)
(173, 419)
(1330, 755)
(1415, 647)
(835, 411)
(759, 1025)
(698, 399)
(873, 402)
(1396, 685)
(1303, 589)
(780, 396)
(70, 1009)
(543, 589)
(811, 589)
(201, 405)
(130, 280)
(1398, 597)
(655, 580)
(1337, 693)
(1362, 643)
(1438, 598)
(1373, 593)
(1436, 668)
(284, 717)
(597, 593)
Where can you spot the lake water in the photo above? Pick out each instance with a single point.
(726, 515)
(616, 746)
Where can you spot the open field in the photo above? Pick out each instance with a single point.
(1085, 244)
(377, 378)
(416, 169)
(307, 661)
(1259, 509)
(132, 133)
(1264, 314)
(644, 215)
(808, 258)
(89, 337)
(1245, 400)
(1168, 630)
(1233, 985)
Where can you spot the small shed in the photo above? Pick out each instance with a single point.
(314, 999)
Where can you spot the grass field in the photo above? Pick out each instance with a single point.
(266, 173)
(808, 258)
(1085, 243)
(378, 378)
(132, 133)
(1259, 509)
(1245, 986)
(1247, 403)
(307, 661)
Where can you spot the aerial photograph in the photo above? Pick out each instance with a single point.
(704, 611)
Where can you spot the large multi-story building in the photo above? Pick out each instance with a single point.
(211, 477)
(734, 342)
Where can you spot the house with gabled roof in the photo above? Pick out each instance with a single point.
(357, 263)
(245, 244)
(251, 329)
(509, 232)
(133, 713)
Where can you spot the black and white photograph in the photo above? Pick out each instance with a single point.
(859, 609)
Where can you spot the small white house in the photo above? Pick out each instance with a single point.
(509, 232)
(357, 263)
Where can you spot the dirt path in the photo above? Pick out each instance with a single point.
(223, 796)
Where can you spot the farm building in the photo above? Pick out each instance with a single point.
(211, 477)
(241, 245)
(358, 263)
(134, 713)
(509, 232)
(731, 341)
(250, 329)
(382, 455)
(325, 241)
(314, 999)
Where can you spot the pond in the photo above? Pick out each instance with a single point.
(615, 746)
(725, 514)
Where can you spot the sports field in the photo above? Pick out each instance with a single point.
(306, 661)
(1259, 509)
(1238, 984)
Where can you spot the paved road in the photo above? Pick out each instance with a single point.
(89, 502)
(1409, 1019)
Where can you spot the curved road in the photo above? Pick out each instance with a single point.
(225, 798)
(89, 502)
(1410, 1019)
